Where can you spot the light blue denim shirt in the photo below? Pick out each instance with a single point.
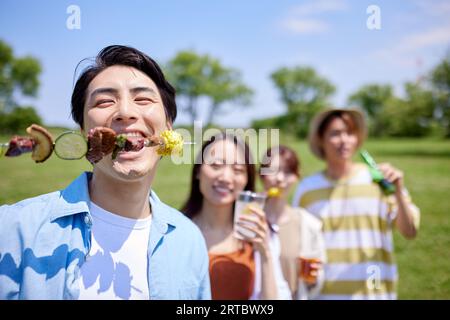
(45, 240)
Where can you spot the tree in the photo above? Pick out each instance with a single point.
(440, 80)
(16, 75)
(18, 119)
(411, 117)
(372, 98)
(195, 76)
(304, 93)
(225, 85)
(184, 71)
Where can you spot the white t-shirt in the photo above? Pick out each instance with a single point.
(117, 263)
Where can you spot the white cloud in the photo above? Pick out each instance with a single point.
(434, 7)
(436, 36)
(305, 26)
(320, 6)
(303, 18)
(412, 43)
(408, 49)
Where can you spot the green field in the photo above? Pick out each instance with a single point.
(424, 263)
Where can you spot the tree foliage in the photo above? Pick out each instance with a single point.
(371, 98)
(440, 79)
(195, 76)
(15, 121)
(411, 116)
(304, 93)
(423, 110)
(18, 76)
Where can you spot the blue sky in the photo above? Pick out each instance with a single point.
(254, 36)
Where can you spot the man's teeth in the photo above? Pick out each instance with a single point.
(133, 134)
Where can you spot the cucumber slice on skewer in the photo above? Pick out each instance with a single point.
(71, 145)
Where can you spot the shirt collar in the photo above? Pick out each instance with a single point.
(75, 199)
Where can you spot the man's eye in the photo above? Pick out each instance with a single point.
(143, 100)
(104, 103)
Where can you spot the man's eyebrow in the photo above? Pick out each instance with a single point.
(104, 90)
(137, 90)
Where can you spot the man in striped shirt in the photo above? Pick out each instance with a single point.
(357, 216)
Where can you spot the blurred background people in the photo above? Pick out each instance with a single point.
(357, 216)
(246, 268)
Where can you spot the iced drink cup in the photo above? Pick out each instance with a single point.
(245, 200)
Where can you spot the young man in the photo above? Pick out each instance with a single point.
(107, 235)
(357, 217)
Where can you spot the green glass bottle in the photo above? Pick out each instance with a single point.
(387, 187)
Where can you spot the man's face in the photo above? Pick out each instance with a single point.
(339, 144)
(127, 101)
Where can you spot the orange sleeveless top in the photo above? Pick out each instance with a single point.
(232, 274)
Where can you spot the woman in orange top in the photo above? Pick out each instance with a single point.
(239, 269)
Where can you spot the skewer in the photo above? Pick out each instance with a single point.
(155, 142)
(149, 143)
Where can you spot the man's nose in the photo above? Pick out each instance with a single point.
(125, 112)
(345, 137)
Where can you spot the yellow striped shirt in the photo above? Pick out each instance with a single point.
(357, 227)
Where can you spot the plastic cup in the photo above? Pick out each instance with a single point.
(245, 200)
(306, 268)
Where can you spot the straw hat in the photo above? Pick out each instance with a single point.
(315, 143)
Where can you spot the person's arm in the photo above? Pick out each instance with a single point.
(205, 288)
(261, 244)
(269, 290)
(405, 221)
(318, 242)
(11, 253)
(204, 292)
(284, 292)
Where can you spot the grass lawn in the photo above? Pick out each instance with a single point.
(424, 263)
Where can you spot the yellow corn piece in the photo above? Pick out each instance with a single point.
(273, 192)
(172, 143)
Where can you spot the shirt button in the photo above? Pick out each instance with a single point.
(87, 220)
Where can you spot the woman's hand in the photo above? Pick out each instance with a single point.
(256, 222)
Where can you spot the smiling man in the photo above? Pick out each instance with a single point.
(107, 235)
